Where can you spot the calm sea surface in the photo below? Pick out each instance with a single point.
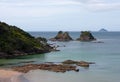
(105, 55)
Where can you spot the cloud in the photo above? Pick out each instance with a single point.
(87, 4)
(90, 4)
(101, 5)
(35, 8)
(25, 3)
(26, 8)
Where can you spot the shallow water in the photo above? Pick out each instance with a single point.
(105, 55)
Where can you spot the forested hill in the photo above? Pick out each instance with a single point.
(15, 42)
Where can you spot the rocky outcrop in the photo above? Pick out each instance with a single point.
(78, 63)
(16, 42)
(49, 67)
(62, 36)
(68, 65)
(86, 36)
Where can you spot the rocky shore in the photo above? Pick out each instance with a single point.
(68, 65)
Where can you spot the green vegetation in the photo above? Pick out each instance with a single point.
(13, 39)
(86, 36)
(42, 39)
(87, 33)
(62, 36)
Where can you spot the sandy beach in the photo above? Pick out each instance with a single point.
(11, 76)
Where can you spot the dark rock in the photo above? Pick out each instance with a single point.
(86, 36)
(77, 70)
(62, 37)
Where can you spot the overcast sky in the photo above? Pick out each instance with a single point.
(55, 15)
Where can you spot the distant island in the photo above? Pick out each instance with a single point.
(103, 30)
(16, 42)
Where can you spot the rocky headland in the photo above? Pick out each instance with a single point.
(16, 42)
(86, 36)
(62, 36)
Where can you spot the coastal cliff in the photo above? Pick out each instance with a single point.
(16, 42)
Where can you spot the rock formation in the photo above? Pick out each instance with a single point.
(16, 42)
(78, 63)
(68, 65)
(62, 36)
(86, 36)
(49, 67)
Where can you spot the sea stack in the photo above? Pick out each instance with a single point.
(86, 36)
(62, 36)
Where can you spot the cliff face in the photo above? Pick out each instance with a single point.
(86, 36)
(16, 42)
(62, 36)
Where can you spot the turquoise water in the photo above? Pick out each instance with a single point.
(105, 55)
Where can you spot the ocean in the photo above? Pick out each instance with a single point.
(106, 56)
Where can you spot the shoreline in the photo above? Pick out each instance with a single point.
(7, 75)
(18, 73)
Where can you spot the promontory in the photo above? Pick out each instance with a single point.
(16, 42)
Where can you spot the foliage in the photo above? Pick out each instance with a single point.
(87, 33)
(13, 39)
(42, 39)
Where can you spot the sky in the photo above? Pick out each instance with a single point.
(65, 15)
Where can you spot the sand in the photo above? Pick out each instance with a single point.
(11, 76)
